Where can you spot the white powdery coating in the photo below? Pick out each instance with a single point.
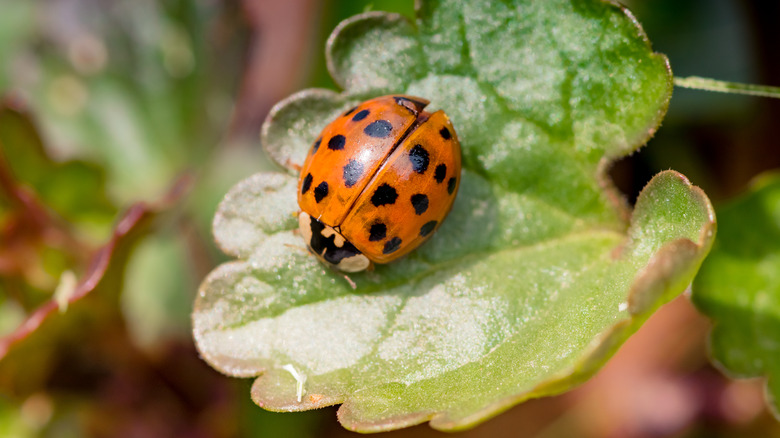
(237, 234)
(440, 331)
(263, 293)
(279, 250)
(516, 136)
(256, 206)
(319, 337)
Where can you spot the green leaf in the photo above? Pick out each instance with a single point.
(74, 189)
(157, 289)
(739, 287)
(539, 273)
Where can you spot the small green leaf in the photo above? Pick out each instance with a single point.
(739, 287)
(74, 189)
(538, 274)
(156, 290)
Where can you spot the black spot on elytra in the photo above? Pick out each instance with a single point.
(419, 158)
(451, 185)
(352, 172)
(306, 184)
(440, 173)
(316, 146)
(320, 191)
(378, 231)
(392, 245)
(445, 133)
(427, 228)
(378, 129)
(337, 142)
(384, 194)
(352, 110)
(326, 246)
(361, 115)
(420, 203)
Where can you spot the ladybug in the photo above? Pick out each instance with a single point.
(377, 182)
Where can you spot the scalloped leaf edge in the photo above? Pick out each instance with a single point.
(602, 348)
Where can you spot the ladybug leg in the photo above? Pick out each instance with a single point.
(349, 280)
(297, 248)
(294, 166)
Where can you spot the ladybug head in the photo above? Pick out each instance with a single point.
(330, 246)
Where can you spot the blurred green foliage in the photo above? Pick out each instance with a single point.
(739, 286)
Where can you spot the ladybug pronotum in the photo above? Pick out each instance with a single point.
(377, 182)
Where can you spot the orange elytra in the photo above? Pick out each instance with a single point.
(377, 182)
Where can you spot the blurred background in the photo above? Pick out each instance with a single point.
(106, 103)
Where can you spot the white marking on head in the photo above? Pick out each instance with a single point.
(355, 263)
(329, 231)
